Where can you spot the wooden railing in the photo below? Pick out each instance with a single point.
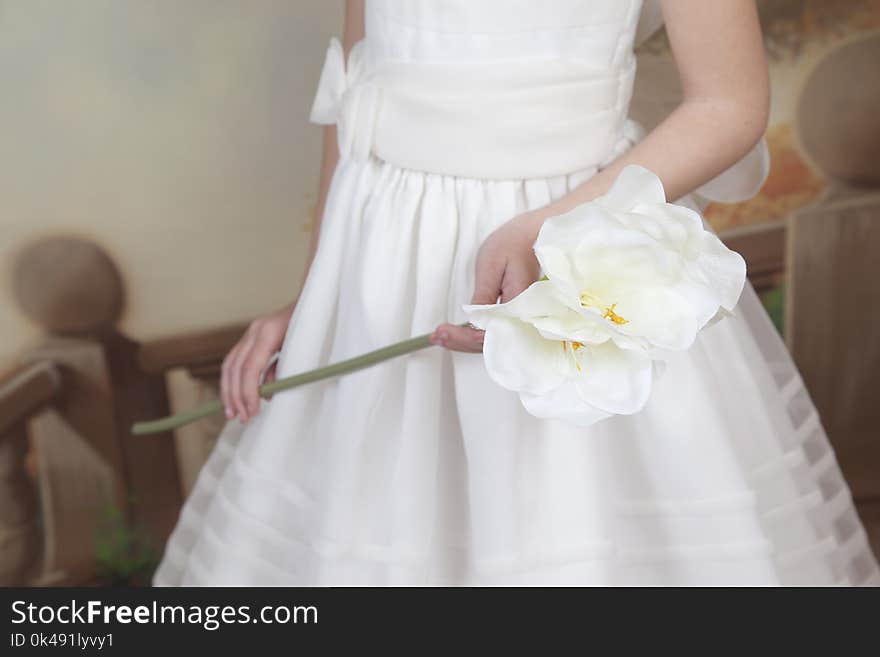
(763, 246)
(200, 353)
(25, 390)
(66, 457)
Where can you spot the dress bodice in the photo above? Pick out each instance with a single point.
(598, 33)
(497, 89)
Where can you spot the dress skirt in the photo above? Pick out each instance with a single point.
(422, 471)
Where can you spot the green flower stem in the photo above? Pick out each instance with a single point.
(267, 389)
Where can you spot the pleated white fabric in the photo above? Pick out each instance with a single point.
(423, 471)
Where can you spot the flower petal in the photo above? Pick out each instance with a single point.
(660, 315)
(553, 247)
(630, 257)
(615, 380)
(633, 185)
(588, 327)
(725, 269)
(563, 404)
(540, 299)
(674, 225)
(564, 229)
(519, 359)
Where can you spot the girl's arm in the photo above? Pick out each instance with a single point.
(240, 373)
(719, 52)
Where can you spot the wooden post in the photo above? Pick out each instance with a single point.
(833, 326)
(80, 465)
(19, 538)
(88, 461)
(22, 393)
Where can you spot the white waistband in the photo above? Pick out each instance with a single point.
(511, 121)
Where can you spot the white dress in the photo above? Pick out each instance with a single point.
(454, 117)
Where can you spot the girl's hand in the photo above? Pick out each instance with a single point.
(505, 266)
(240, 374)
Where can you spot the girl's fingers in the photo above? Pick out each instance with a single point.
(458, 338)
(235, 395)
(517, 277)
(487, 287)
(271, 373)
(487, 281)
(250, 375)
(224, 384)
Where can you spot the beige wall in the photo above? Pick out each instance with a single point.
(173, 133)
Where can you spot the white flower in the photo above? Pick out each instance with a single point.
(627, 277)
(557, 377)
(637, 270)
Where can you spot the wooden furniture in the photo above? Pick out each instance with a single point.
(70, 404)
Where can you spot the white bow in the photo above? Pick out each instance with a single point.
(348, 98)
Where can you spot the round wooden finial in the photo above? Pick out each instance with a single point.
(837, 113)
(68, 285)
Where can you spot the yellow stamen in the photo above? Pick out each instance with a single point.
(591, 300)
(574, 347)
(613, 316)
(588, 299)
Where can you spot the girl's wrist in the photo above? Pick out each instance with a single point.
(532, 221)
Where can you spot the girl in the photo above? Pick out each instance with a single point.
(455, 129)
